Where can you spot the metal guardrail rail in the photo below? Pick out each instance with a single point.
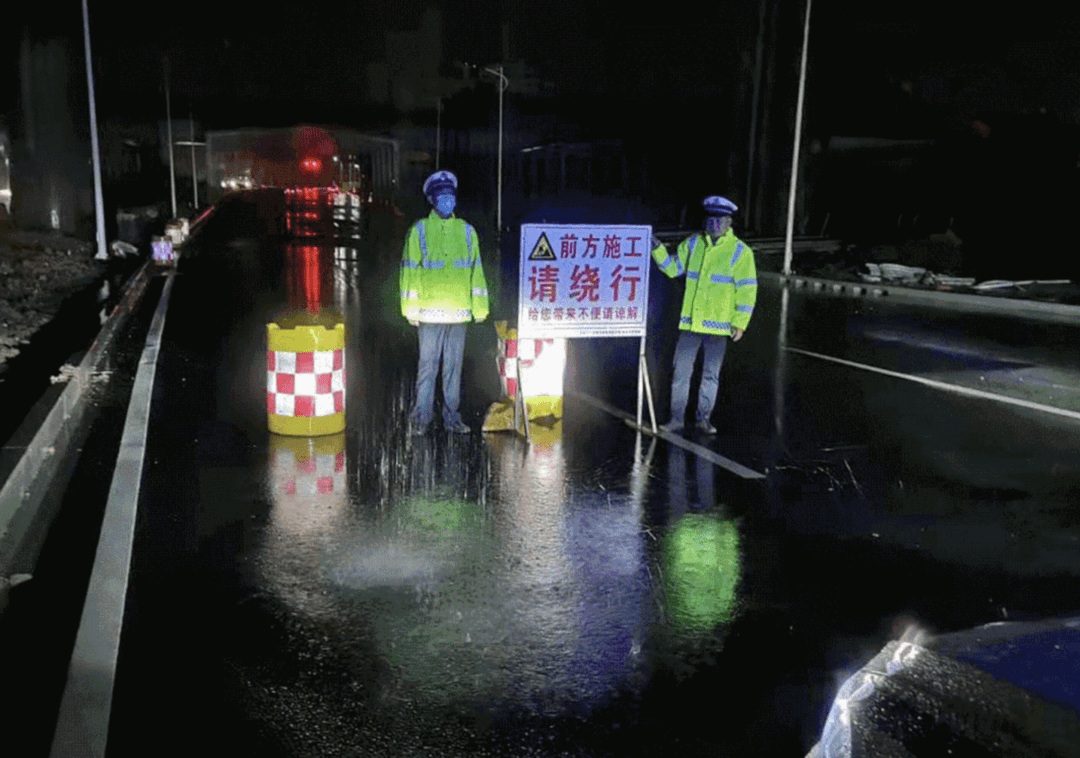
(23, 490)
(955, 301)
(762, 245)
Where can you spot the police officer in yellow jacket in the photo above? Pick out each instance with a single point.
(721, 289)
(442, 289)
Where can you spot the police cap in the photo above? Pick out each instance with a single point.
(440, 183)
(719, 206)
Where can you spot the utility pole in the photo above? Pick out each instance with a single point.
(788, 240)
(751, 217)
(194, 170)
(503, 84)
(168, 131)
(95, 149)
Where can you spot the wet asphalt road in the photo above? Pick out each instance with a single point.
(596, 593)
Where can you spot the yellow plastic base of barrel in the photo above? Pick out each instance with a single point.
(307, 426)
(298, 339)
(545, 435)
(500, 416)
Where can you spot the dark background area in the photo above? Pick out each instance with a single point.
(918, 119)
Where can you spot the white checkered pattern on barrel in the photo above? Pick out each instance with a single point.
(514, 350)
(305, 384)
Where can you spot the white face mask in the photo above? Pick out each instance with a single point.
(445, 204)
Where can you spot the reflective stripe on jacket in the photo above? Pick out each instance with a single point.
(442, 277)
(721, 282)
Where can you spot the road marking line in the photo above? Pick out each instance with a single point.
(959, 389)
(83, 723)
(710, 455)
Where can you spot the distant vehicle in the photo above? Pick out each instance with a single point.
(323, 212)
(333, 179)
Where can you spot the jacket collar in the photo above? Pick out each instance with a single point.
(708, 241)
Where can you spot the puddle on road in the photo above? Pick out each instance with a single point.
(491, 573)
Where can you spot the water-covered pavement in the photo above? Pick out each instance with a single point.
(598, 591)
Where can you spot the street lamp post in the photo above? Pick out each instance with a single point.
(789, 236)
(194, 170)
(168, 133)
(503, 84)
(95, 152)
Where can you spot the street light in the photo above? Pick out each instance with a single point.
(503, 84)
(438, 131)
(789, 236)
(194, 170)
(95, 151)
(168, 135)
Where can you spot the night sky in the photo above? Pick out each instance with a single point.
(229, 58)
(1001, 89)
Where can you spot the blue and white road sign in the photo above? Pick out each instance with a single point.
(581, 280)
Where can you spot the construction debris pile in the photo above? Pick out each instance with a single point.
(932, 265)
(37, 272)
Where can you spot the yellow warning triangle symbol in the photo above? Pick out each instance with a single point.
(542, 251)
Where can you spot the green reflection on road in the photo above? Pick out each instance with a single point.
(701, 570)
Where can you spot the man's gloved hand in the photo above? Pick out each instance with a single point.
(736, 334)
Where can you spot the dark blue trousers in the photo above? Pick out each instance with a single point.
(686, 351)
(445, 344)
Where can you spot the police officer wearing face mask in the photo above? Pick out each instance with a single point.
(442, 289)
(721, 289)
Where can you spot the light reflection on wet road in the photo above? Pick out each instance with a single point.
(595, 593)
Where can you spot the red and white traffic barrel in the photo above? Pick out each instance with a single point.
(542, 363)
(305, 380)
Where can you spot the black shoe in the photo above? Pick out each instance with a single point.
(457, 427)
(672, 427)
(705, 427)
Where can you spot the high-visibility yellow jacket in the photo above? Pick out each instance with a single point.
(721, 282)
(442, 277)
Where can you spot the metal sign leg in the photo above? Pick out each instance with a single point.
(520, 402)
(643, 381)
